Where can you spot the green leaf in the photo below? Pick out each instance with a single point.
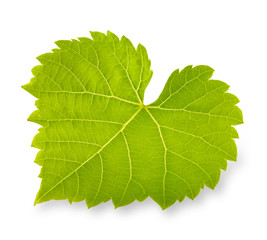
(99, 141)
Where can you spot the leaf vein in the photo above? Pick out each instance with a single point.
(91, 157)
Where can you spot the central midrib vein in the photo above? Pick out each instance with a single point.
(165, 154)
(91, 157)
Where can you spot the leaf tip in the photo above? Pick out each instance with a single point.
(36, 201)
(24, 87)
(97, 36)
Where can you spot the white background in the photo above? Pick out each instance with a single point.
(230, 36)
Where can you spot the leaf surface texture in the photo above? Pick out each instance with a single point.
(99, 142)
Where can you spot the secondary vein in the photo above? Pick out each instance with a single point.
(91, 157)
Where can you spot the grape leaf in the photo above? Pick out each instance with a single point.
(99, 141)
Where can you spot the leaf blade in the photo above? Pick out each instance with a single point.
(99, 142)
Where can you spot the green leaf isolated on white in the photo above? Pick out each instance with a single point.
(99, 141)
